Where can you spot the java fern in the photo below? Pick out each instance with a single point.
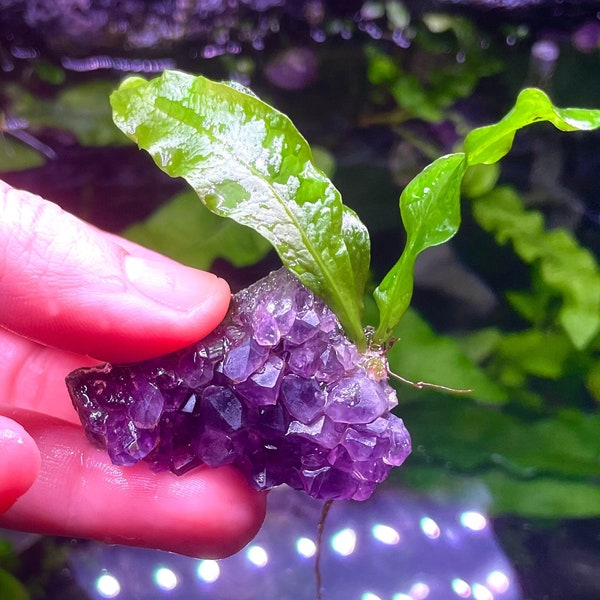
(291, 387)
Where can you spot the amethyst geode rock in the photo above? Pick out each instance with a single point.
(276, 390)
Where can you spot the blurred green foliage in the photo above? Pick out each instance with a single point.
(447, 64)
(10, 587)
(562, 269)
(82, 109)
(187, 231)
(16, 156)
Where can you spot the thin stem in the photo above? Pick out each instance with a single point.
(320, 528)
(423, 384)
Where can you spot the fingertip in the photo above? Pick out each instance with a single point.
(20, 462)
(247, 512)
(238, 514)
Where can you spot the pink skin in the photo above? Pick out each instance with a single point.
(70, 292)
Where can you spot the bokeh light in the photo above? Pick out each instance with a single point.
(257, 555)
(473, 520)
(480, 592)
(165, 578)
(108, 586)
(430, 528)
(208, 570)
(498, 581)
(461, 588)
(386, 534)
(419, 591)
(306, 547)
(344, 542)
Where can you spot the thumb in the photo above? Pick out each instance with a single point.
(66, 284)
(19, 462)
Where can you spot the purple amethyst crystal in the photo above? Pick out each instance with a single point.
(276, 390)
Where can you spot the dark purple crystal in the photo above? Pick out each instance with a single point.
(276, 390)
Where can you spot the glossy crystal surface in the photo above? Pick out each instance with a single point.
(276, 390)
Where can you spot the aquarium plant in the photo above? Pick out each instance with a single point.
(293, 387)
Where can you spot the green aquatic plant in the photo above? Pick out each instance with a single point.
(194, 127)
(333, 434)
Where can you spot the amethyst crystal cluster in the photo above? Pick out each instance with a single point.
(276, 390)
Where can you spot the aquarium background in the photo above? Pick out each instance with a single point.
(510, 308)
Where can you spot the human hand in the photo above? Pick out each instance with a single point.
(68, 292)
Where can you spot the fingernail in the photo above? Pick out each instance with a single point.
(170, 283)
